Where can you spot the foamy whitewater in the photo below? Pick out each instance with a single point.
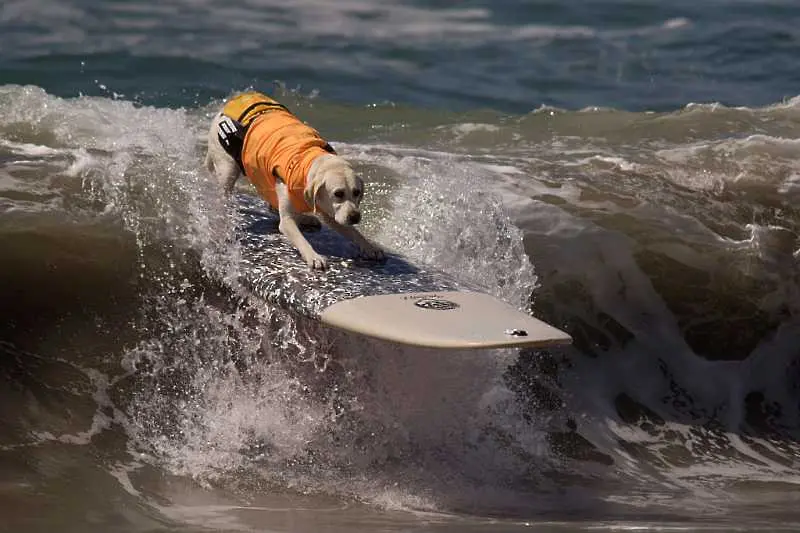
(144, 389)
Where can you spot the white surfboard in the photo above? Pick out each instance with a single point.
(394, 300)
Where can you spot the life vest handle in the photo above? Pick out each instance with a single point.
(267, 105)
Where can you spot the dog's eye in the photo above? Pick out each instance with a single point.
(356, 193)
(339, 193)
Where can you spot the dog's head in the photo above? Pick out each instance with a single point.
(335, 189)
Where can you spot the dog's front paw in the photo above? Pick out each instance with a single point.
(316, 262)
(370, 251)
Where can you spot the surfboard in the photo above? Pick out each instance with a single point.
(394, 300)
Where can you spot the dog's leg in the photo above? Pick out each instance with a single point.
(227, 172)
(365, 248)
(288, 227)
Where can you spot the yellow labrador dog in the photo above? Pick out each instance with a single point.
(291, 166)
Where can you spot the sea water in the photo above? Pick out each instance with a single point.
(627, 171)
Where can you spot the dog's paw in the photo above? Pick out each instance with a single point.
(316, 262)
(370, 251)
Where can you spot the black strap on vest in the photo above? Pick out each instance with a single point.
(231, 136)
(268, 106)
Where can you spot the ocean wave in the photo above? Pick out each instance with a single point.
(681, 301)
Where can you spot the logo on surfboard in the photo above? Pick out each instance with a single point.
(438, 304)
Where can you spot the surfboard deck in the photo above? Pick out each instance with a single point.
(394, 300)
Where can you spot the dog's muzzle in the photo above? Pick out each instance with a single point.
(354, 218)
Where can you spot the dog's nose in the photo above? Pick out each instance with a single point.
(354, 218)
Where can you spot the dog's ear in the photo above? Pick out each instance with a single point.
(311, 191)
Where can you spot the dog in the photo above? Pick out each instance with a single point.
(293, 168)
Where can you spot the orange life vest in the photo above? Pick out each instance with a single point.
(276, 138)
